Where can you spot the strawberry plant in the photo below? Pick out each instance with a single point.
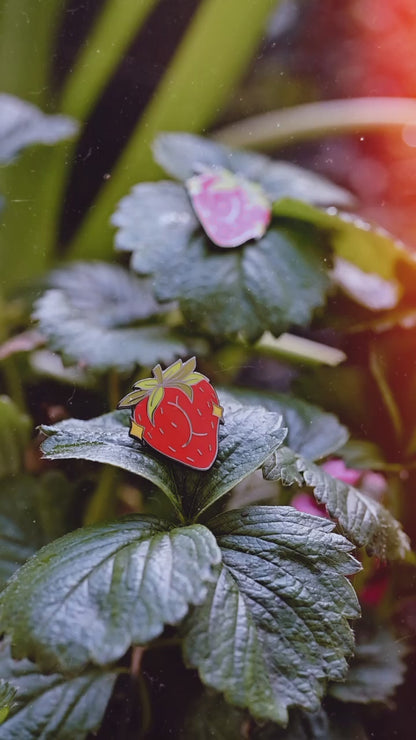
(258, 598)
(207, 449)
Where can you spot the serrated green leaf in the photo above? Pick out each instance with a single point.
(274, 626)
(87, 316)
(14, 436)
(376, 670)
(107, 292)
(106, 439)
(312, 432)
(88, 596)
(365, 521)
(154, 221)
(32, 512)
(53, 707)
(246, 440)
(212, 718)
(371, 248)
(183, 154)
(23, 124)
(270, 285)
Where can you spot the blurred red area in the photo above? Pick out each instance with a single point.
(368, 48)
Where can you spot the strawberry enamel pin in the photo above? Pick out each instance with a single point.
(177, 412)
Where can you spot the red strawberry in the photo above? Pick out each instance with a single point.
(177, 413)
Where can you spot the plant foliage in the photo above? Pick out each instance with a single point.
(23, 124)
(104, 317)
(266, 635)
(53, 706)
(364, 520)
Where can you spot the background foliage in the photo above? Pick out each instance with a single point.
(214, 597)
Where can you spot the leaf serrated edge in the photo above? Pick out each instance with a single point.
(397, 549)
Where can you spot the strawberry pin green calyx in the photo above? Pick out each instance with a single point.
(177, 413)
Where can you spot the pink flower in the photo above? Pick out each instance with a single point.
(231, 209)
(337, 469)
(306, 503)
(373, 484)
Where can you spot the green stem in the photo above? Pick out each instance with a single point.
(281, 127)
(377, 370)
(101, 505)
(296, 349)
(213, 55)
(146, 707)
(116, 27)
(14, 387)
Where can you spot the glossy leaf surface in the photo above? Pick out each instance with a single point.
(274, 626)
(88, 596)
(52, 707)
(365, 521)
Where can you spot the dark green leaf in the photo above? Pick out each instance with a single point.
(246, 440)
(366, 522)
(20, 533)
(312, 432)
(319, 725)
(155, 221)
(87, 317)
(53, 707)
(212, 718)
(106, 439)
(14, 436)
(370, 248)
(22, 124)
(33, 511)
(277, 282)
(89, 595)
(376, 670)
(107, 293)
(181, 155)
(274, 626)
